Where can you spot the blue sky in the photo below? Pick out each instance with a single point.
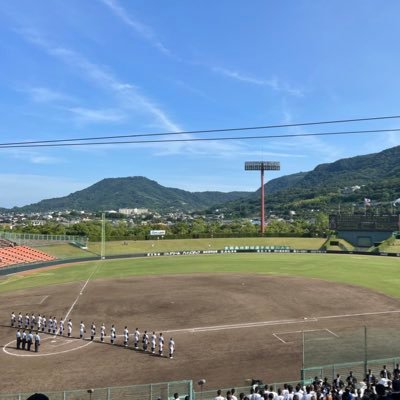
(113, 67)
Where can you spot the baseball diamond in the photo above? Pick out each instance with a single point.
(228, 324)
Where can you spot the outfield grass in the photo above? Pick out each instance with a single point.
(377, 273)
(64, 251)
(145, 246)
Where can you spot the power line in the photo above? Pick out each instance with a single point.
(339, 121)
(200, 139)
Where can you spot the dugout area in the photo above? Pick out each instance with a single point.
(227, 328)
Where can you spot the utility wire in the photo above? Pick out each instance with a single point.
(339, 121)
(200, 139)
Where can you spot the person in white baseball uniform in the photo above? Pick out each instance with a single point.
(26, 321)
(171, 346)
(102, 332)
(81, 329)
(112, 334)
(160, 344)
(44, 323)
(33, 320)
(92, 331)
(126, 336)
(50, 324)
(153, 340)
(136, 337)
(69, 327)
(145, 340)
(54, 325)
(39, 322)
(61, 326)
(19, 320)
(13, 319)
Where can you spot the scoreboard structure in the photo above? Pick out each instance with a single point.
(364, 230)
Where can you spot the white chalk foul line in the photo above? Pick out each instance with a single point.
(44, 298)
(332, 333)
(242, 325)
(77, 297)
(359, 314)
(274, 334)
(278, 322)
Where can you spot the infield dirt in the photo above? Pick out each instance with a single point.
(222, 324)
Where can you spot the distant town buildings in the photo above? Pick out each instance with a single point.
(133, 211)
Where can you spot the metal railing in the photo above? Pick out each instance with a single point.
(153, 391)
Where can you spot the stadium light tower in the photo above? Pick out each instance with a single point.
(262, 166)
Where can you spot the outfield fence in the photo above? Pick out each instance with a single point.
(153, 391)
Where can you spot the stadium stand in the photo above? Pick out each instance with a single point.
(12, 255)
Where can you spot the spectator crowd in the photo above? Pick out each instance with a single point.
(385, 386)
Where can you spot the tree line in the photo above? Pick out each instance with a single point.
(196, 228)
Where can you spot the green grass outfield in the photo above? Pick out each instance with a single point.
(377, 273)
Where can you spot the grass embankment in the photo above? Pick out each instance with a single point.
(376, 273)
(148, 246)
(394, 247)
(343, 245)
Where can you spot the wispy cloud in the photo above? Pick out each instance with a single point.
(274, 83)
(141, 29)
(128, 94)
(87, 115)
(130, 98)
(46, 95)
(32, 156)
(192, 89)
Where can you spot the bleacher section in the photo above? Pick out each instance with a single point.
(13, 255)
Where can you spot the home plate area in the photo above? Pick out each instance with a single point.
(311, 334)
(50, 345)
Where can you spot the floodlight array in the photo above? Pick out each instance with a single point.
(262, 166)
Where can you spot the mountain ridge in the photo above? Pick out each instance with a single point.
(131, 192)
(377, 174)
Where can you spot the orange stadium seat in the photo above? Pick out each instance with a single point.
(13, 255)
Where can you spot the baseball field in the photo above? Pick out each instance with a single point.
(232, 316)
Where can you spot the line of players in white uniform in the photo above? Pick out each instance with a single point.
(52, 326)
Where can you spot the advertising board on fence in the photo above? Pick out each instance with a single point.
(157, 232)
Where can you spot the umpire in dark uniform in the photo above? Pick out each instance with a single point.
(23, 340)
(18, 335)
(29, 340)
(37, 342)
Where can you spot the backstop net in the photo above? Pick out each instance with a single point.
(329, 352)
